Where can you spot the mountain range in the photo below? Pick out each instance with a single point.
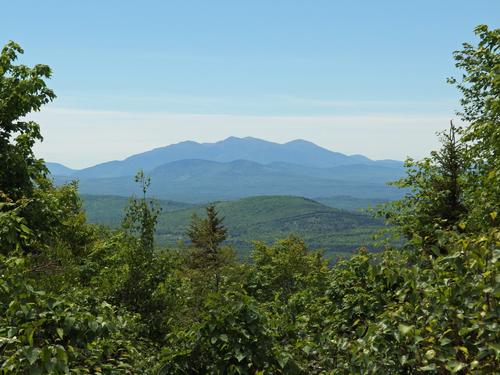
(240, 167)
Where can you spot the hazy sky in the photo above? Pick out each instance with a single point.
(363, 77)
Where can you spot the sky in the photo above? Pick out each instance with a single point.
(358, 77)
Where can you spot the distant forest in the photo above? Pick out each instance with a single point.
(263, 218)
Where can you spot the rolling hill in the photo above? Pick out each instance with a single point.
(263, 218)
(345, 202)
(109, 209)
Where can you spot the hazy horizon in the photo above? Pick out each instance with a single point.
(212, 143)
(356, 78)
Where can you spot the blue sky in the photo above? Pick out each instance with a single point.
(149, 73)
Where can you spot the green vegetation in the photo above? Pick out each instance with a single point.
(267, 218)
(255, 219)
(83, 299)
(108, 209)
(345, 202)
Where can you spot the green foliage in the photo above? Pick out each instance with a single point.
(139, 223)
(143, 270)
(54, 216)
(231, 338)
(443, 316)
(42, 333)
(141, 217)
(480, 86)
(108, 209)
(435, 199)
(206, 236)
(263, 218)
(208, 233)
(14, 234)
(22, 90)
(284, 268)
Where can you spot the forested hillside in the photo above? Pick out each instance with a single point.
(85, 299)
(252, 219)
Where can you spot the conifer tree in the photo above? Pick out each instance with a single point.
(435, 201)
(207, 235)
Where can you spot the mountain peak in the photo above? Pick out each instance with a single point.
(298, 151)
(233, 139)
(301, 142)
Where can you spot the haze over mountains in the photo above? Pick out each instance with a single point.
(240, 167)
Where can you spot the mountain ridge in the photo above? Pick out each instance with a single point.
(198, 180)
(299, 151)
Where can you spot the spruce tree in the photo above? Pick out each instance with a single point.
(435, 198)
(206, 235)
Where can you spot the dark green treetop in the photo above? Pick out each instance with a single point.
(208, 233)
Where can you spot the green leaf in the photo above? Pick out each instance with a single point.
(25, 229)
(495, 347)
(455, 366)
(224, 337)
(430, 354)
(240, 356)
(29, 334)
(32, 355)
(405, 329)
(431, 367)
(93, 326)
(444, 341)
(307, 349)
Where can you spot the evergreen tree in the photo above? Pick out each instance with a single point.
(207, 235)
(435, 201)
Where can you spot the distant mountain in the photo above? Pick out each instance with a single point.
(368, 173)
(197, 181)
(297, 152)
(57, 169)
(240, 167)
(264, 218)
